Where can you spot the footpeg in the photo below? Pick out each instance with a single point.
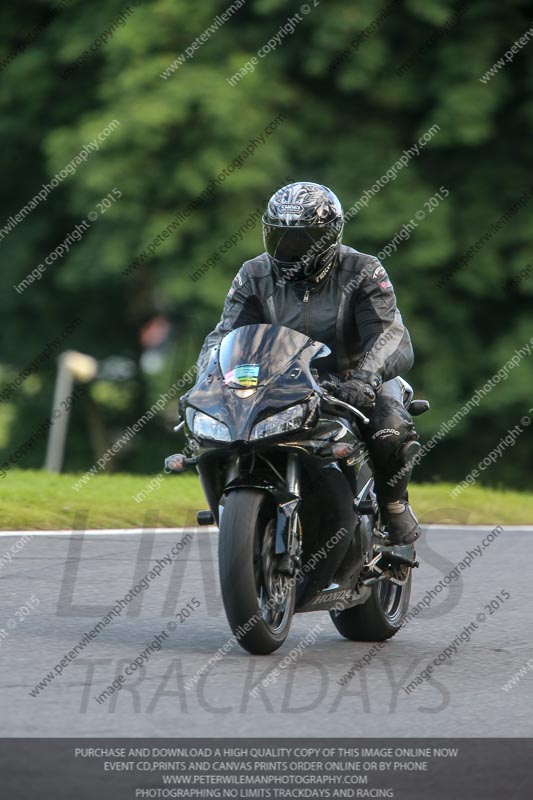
(398, 553)
(388, 563)
(205, 518)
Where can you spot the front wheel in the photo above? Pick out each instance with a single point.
(259, 601)
(381, 616)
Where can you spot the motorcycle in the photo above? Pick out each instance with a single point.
(264, 435)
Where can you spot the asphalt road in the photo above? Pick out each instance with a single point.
(58, 586)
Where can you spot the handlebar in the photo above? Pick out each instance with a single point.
(347, 406)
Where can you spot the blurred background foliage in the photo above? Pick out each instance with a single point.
(346, 122)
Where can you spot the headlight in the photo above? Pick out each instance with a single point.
(287, 420)
(206, 427)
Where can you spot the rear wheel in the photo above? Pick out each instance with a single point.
(259, 601)
(381, 616)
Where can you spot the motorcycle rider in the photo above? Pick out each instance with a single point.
(310, 282)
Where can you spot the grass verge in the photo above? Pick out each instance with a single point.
(35, 500)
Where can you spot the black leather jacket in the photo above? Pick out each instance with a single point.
(353, 311)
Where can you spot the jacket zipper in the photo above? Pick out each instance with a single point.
(306, 314)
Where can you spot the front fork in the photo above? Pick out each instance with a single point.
(288, 545)
(288, 499)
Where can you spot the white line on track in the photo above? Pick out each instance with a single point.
(213, 529)
(111, 531)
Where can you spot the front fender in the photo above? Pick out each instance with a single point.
(287, 505)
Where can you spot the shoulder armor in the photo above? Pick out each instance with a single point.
(257, 267)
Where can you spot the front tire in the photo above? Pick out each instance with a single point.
(259, 602)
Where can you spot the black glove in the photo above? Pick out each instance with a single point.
(356, 388)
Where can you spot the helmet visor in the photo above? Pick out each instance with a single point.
(292, 245)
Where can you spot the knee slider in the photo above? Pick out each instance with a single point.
(408, 452)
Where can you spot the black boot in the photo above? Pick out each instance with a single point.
(400, 522)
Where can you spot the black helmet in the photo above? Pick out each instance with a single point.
(302, 228)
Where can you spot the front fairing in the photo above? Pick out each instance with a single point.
(271, 363)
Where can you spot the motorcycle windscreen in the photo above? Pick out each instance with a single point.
(251, 356)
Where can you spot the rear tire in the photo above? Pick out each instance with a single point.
(380, 617)
(247, 572)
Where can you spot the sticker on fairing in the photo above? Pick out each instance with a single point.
(245, 375)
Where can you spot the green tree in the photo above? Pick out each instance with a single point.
(355, 86)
